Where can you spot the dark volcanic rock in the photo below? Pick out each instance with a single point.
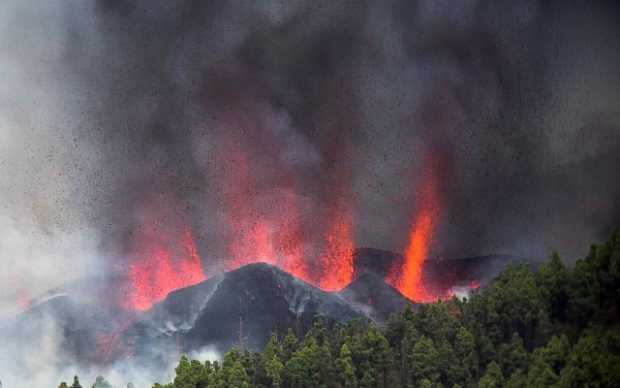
(377, 261)
(256, 300)
(78, 328)
(370, 294)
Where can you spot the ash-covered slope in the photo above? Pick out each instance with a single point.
(80, 328)
(377, 261)
(245, 305)
(370, 294)
(257, 300)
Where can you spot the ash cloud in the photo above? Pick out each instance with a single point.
(516, 100)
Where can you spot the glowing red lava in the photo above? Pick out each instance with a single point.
(163, 264)
(264, 223)
(337, 261)
(265, 226)
(290, 238)
(409, 279)
(265, 220)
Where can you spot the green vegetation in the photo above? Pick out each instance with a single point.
(552, 327)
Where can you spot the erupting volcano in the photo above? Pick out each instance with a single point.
(255, 234)
(166, 259)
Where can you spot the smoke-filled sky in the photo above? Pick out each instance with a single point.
(125, 120)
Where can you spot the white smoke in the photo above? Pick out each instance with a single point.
(45, 169)
(46, 238)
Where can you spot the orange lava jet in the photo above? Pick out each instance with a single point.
(264, 222)
(409, 279)
(337, 261)
(264, 225)
(163, 264)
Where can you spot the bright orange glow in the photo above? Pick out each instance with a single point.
(162, 264)
(409, 279)
(265, 225)
(337, 261)
(256, 234)
(290, 239)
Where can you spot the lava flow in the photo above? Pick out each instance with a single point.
(409, 279)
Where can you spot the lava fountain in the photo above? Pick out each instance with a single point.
(337, 259)
(408, 278)
(265, 218)
(264, 223)
(164, 261)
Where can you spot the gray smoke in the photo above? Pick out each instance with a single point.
(518, 102)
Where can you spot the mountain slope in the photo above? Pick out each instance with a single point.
(370, 294)
(239, 308)
(258, 299)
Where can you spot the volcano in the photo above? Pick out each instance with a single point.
(242, 308)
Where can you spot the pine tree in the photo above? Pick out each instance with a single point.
(368, 380)
(237, 376)
(270, 361)
(100, 382)
(346, 369)
(76, 382)
(492, 378)
(289, 346)
(424, 361)
(466, 363)
(552, 280)
(302, 370)
(512, 355)
(379, 355)
(326, 365)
